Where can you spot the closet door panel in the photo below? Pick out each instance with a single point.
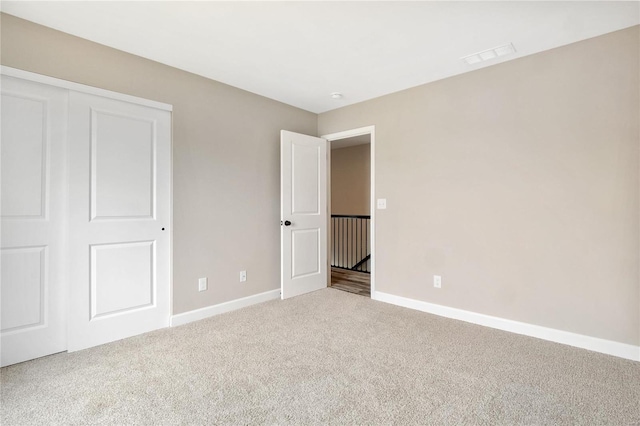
(33, 215)
(119, 164)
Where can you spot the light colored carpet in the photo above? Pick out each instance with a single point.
(328, 357)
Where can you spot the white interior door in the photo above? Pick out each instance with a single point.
(303, 212)
(120, 177)
(32, 289)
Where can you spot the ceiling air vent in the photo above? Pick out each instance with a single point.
(488, 54)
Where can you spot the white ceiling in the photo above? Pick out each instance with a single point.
(300, 52)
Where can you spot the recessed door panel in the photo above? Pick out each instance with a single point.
(23, 288)
(305, 248)
(121, 277)
(24, 151)
(304, 165)
(122, 173)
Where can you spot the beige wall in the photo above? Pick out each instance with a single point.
(519, 184)
(351, 180)
(226, 161)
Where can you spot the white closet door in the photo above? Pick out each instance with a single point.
(32, 289)
(119, 172)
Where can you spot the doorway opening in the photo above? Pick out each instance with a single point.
(350, 195)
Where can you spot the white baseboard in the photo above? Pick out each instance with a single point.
(595, 344)
(221, 308)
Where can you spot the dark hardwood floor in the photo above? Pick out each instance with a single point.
(351, 281)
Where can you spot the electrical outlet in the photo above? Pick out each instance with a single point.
(243, 276)
(202, 284)
(437, 281)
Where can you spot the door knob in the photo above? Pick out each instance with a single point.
(287, 223)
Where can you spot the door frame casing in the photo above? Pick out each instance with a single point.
(367, 130)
